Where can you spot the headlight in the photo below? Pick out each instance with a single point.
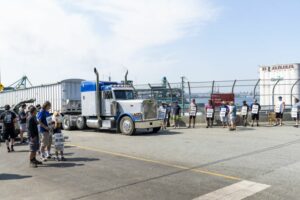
(138, 116)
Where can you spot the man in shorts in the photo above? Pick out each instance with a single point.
(224, 111)
(193, 113)
(255, 109)
(295, 112)
(279, 110)
(9, 119)
(45, 130)
(33, 137)
(22, 122)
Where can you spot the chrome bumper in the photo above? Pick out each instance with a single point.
(148, 124)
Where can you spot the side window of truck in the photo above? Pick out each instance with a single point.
(108, 95)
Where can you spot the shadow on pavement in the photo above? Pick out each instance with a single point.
(21, 151)
(12, 177)
(164, 132)
(82, 159)
(61, 165)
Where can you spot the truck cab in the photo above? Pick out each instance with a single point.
(113, 106)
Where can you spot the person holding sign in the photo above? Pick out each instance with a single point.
(210, 112)
(224, 110)
(58, 136)
(279, 110)
(244, 113)
(255, 109)
(193, 113)
(295, 112)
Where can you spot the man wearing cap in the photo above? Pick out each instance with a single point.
(279, 110)
(255, 109)
(8, 119)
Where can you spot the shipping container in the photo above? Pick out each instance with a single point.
(64, 96)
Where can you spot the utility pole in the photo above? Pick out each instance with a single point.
(182, 94)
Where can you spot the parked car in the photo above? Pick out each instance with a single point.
(15, 109)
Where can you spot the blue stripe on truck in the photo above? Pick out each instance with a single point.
(89, 86)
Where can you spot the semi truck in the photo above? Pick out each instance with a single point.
(85, 104)
(113, 106)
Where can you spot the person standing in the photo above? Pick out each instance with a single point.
(244, 112)
(58, 136)
(22, 122)
(279, 110)
(232, 115)
(169, 111)
(224, 110)
(9, 119)
(210, 111)
(295, 112)
(163, 115)
(45, 130)
(176, 114)
(33, 137)
(255, 109)
(193, 113)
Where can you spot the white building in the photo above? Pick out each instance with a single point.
(284, 78)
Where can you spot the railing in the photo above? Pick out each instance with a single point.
(265, 91)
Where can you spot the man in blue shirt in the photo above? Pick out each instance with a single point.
(45, 130)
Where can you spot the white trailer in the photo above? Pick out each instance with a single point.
(64, 96)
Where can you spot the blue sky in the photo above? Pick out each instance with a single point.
(200, 39)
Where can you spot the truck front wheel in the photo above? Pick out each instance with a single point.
(127, 126)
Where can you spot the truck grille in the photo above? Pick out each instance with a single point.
(150, 109)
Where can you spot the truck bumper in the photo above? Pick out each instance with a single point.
(148, 124)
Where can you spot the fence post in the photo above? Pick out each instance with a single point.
(190, 93)
(273, 92)
(182, 94)
(255, 87)
(233, 86)
(171, 92)
(292, 91)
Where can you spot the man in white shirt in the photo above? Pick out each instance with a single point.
(193, 113)
(279, 110)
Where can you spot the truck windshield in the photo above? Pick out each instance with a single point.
(124, 94)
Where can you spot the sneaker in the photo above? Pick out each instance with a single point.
(43, 158)
(38, 162)
(12, 148)
(8, 149)
(33, 164)
(49, 156)
(57, 159)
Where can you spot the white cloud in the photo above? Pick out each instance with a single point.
(53, 39)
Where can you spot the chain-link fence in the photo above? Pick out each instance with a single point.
(266, 91)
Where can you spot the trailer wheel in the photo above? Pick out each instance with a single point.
(66, 124)
(156, 130)
(81, 123)
(127, 126)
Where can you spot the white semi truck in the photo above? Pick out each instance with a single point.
(113, 106)
(85, 104)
